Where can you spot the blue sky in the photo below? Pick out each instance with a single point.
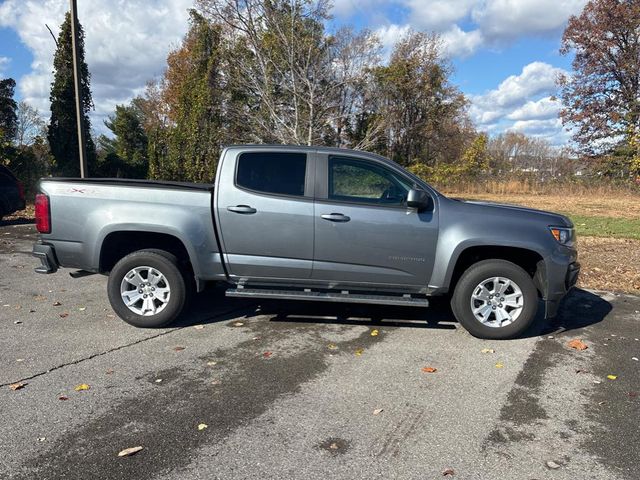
(505, 52)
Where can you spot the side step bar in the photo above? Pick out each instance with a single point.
(344, 297)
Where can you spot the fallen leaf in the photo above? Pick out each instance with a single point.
(577, 344)
(358, 351)
(56, 304)
(64, 315)
(331, 346)
(612, 377)
(202, 426)
(374, 333)
(377, 411)
(17, 386)
(553, 465)
(487, 350)
(429, 370)
(81, 387)
(178, 349)
(63, 397)
(238, 324)
(499, 365)
(267, 354)
(127, 452)
(448, 472)
(198, 327)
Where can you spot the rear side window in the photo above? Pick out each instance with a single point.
(272, 172)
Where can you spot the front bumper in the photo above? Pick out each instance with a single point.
(559, 286)
(47, 255)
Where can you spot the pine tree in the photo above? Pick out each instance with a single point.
(62, 132)
(129, 144)
(8, 117)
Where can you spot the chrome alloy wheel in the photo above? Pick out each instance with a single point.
(497, 302)
(145, 291)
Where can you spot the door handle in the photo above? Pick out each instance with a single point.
(244, 209)
(336, 217)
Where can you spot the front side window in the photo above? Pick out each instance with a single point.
(360, 181)
(275, 173)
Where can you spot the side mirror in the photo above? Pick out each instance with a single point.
(418, 199)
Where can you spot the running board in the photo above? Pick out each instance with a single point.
(344, 297)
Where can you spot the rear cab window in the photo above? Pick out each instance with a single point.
(273, 173)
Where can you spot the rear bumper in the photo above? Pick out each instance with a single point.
(47, 255)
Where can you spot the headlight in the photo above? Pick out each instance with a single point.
(562, 234)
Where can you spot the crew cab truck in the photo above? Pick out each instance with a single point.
(307, 223)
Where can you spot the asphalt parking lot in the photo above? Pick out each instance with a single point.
(286, 390)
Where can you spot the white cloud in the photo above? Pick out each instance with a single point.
(437, 15)
(536, 78)
(550, 129)
(546, 107)
(4, 63)
(522, 103)
(458, 43)
(486, 22)
(126, 43)
(510, 19)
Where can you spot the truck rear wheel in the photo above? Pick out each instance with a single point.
(495, 299)
(146, 288)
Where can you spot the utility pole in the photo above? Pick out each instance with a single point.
(84, 172)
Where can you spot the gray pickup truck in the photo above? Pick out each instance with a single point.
(307, 223)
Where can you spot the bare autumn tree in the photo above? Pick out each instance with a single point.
(601, 97)
(299, 83)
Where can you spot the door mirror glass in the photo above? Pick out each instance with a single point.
(418, 199)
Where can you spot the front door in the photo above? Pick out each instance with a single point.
(364, 232)
(265, 210)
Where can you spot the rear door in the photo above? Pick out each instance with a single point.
(364, 231)
(265, 213)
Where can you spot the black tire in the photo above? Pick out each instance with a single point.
(472, 278)
(167, 265)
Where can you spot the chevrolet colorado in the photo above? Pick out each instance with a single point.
(307, 223)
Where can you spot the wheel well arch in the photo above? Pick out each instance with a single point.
(529, 260)
(119, 244)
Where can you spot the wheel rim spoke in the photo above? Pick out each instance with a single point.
(497, 302)
(151, 292)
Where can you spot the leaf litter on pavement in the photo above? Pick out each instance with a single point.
(127, 452)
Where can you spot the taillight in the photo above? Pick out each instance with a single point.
(21, 190)
(43, 213)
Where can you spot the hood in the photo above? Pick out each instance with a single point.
(516, 210)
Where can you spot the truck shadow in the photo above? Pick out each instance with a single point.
(579, 309)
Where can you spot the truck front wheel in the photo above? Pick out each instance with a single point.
(495, 299)
(146, 288)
